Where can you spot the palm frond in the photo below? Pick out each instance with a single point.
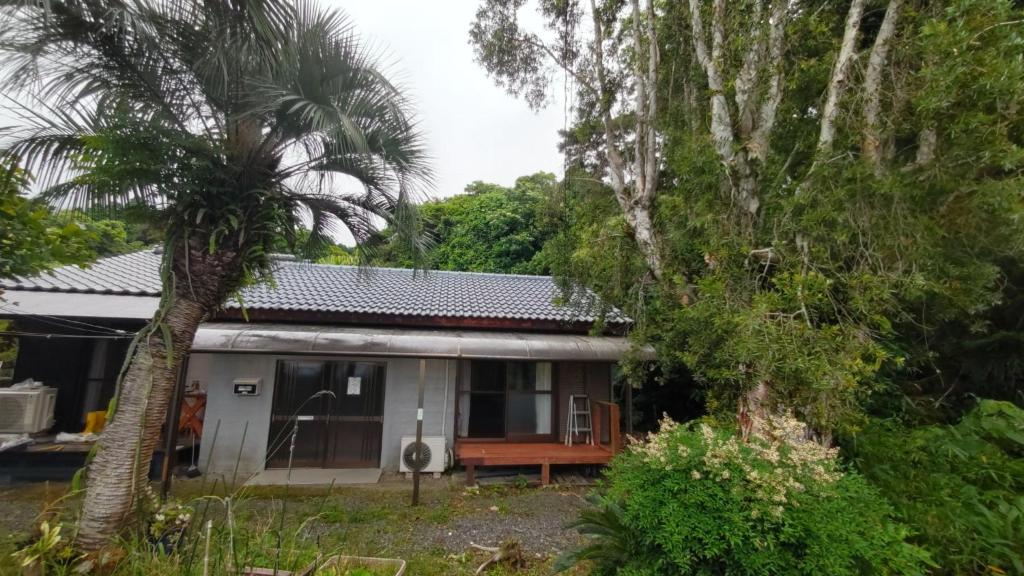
(262, 112)
(608, 536)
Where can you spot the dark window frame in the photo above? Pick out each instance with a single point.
(466, 389)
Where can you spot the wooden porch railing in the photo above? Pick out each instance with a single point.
(614, 434)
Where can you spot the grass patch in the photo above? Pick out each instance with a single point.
(306, 523)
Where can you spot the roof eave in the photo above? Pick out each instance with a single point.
(424, 321)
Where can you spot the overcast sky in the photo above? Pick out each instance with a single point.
(475, 131)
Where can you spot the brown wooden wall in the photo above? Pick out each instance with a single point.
(591, 378)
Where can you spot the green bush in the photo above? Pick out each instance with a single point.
(960, 487)
(696, 500)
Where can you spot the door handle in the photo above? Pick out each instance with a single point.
(305, 418)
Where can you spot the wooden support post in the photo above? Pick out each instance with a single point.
(595, 424)
(614, 426)
(419, 435)
(545, 474)
(614, 436)
(629, 407)
(470, 475)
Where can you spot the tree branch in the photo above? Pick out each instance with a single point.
(646, 142)
(746, 80)
(652, 107)
(840, 73)
(871, 145)
(616, 165)
(721, 120)
(582, 80)
(760, 141)
(642, 118)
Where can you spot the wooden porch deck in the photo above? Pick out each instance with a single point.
(472, 454)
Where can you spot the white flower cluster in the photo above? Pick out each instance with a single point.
(655, 449)
(167, 517)
(773, 465)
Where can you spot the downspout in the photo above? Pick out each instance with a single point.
(444, 412)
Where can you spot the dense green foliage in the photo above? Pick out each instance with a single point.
(696, 500)
(840, 224)
(849, 284)
(33, 240)
(960, 487)
(489, 228)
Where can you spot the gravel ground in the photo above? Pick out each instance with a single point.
(17, 515)
(21, 505)
(535, 517)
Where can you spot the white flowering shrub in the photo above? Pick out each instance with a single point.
(699, 500)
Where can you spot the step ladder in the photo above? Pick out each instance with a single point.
(580, 421)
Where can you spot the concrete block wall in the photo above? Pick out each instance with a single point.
(400, 398)
(237, 415)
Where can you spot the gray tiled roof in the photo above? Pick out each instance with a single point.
(306, 287)
(136, 274)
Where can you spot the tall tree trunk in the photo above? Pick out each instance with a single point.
(721, 118)
(871, 146)
(121, 467)
(646, 239)
(753, 406)
(926, 143)
(636, 201)
(840, 75)
(759, 144)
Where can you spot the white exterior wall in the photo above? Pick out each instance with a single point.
(216, 373)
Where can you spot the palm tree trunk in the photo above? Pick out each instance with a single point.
(121, 466)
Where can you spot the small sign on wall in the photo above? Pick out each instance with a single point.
(355, 384)
(247, 386)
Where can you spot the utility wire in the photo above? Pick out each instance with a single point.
(74, 336)
(64, 322)
(45, 320)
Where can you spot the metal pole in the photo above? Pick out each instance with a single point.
(173, 422)
(419, 435)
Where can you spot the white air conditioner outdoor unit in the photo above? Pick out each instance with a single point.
(26, 410)
(434, 454)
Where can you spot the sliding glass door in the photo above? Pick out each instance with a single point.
(342, 429)
(511, 401)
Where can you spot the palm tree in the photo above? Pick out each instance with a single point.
(240, 120)
(610, 543)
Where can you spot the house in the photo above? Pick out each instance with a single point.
(498, 355)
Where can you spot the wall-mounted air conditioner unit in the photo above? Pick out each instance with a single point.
(26, 410)
(434, 454)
